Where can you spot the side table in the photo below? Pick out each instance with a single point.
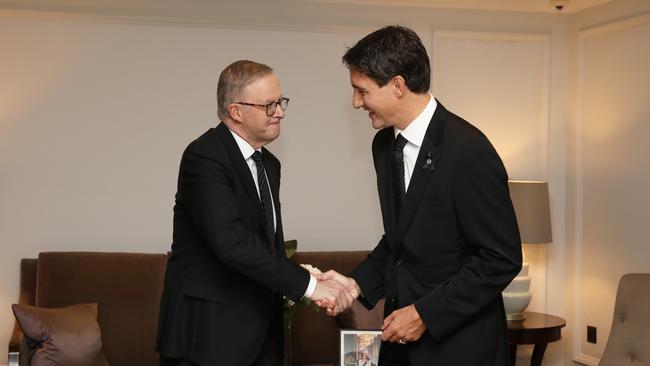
(538, 329)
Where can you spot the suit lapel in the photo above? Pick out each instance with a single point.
(425, 165)
(424, 168)
(241, 167)
(384, 180)
(273, 175)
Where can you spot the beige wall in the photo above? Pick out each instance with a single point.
(96, 111)
(609, 173)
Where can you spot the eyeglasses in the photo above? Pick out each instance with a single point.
(270, 107)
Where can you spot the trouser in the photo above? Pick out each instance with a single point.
(269, 355)
(394, 354)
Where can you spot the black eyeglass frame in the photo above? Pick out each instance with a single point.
(271, 107)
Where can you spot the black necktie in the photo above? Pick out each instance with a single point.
(265, 197)
(399, 186)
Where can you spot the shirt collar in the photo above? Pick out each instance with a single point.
(415, 131)
(246, 149)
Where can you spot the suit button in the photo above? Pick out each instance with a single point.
(398, 262)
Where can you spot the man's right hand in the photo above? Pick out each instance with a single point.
(332, 295)
(349, 284)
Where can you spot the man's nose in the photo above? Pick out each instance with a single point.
(357, 101)
(279, 113)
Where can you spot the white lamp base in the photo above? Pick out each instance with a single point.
(515, 316)
(516, 296)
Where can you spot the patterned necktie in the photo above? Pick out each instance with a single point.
(265, 197)
(399, 185)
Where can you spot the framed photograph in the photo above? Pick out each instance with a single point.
(360, 347)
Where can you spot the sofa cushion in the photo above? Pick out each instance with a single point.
(64, 336)
(127, 287)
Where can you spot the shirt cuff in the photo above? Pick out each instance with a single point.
(311, 287)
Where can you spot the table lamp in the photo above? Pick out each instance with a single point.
(532, 209)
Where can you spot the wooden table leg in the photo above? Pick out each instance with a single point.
(538, 354)
(513, 354)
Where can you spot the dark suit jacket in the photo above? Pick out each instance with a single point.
(453, 249)
(223, 274)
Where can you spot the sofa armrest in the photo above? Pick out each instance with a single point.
(15, 346)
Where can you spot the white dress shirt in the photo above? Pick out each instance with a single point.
(414, 134)
(247, 151)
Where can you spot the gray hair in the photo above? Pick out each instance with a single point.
(233, 79)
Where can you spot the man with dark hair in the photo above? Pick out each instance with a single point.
(450, 243)
(228, 273)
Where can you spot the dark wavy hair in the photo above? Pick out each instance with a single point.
(388, 52)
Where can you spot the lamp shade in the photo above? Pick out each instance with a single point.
(531, 203)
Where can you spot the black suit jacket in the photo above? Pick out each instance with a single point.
(223, 275)
(453, 249)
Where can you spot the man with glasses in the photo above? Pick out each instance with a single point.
(228, 273)
(450, 242)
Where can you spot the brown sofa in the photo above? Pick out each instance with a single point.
(128, 286)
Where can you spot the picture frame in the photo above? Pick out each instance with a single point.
(359, 347)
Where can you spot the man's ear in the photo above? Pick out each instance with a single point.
(235, 112)
(399, 86)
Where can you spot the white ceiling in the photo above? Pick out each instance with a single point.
(199, 8)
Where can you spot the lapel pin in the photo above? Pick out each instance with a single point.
(428, 165)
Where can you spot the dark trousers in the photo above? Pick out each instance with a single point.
(394, 354)
(164, 361)
(269, 355)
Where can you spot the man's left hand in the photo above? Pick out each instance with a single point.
(403, 325)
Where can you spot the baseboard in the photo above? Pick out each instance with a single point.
(586, 360)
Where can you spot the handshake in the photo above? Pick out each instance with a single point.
(334, 291)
